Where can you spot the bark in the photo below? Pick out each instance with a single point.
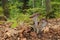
(24, 5)
(5, 8)
(48, 7)
(42, 3)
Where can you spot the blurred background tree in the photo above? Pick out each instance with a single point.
(15, 9)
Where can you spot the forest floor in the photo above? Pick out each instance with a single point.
(24, 32)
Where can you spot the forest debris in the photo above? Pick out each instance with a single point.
(45, 29)
(10, 32)
(8, 24)
(23, 39)
(33, 34)
(24, 32)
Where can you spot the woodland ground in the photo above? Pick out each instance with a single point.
(24, 32)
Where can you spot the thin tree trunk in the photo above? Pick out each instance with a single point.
(48, 7)
(5, 8)
(42, 3)
(25, 5)
(33, 3)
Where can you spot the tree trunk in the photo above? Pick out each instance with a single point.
(25, 5)
(48, 7)
(42, 2)
(5, 8)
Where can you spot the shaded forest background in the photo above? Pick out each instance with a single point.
(20, 10)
